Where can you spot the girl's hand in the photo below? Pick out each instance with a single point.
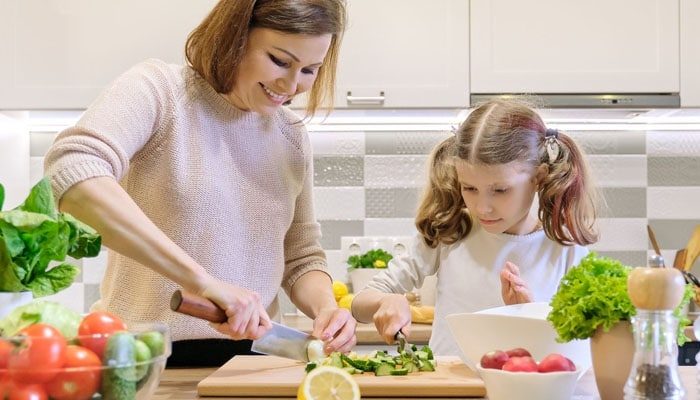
(247, 318)
(394, 314)
(336, 327)
(514, 289)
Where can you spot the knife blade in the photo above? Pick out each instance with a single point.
(280, 340)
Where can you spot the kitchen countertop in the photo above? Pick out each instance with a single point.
(181, 384)
(366, 333)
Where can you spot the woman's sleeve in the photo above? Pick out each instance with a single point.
(407, 272)
(302, 243)
(113, 129)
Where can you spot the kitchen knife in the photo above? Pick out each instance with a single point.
(281, 340)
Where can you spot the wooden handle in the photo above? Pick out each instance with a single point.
(197, 306)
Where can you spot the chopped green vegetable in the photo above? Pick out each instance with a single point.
(380, 362)
(594, 294)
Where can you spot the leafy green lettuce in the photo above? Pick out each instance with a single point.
(60, 317)
(35, 234)
(594, 294)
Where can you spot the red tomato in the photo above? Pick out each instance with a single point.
(95, 328)
(80, 377)
(39, 357)
(5, 349)
(6, 386)
(28, 392)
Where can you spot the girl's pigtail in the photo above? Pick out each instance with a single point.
(442, 217)
(567, 196)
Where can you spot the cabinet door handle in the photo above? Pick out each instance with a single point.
(365, 100)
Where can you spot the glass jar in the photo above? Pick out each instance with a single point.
(654, 372)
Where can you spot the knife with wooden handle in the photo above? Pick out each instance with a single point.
(197, 306)
(280, 340)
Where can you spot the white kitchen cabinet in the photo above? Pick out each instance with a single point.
(555, 46)
(405, 53)
(690, 53)
(59, 54)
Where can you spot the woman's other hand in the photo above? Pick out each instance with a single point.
(336, 328)
(514, 289)
(247, 318)
(393, 314)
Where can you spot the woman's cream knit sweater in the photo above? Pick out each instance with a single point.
(232, 188)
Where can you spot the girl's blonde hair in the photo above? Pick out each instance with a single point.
(216, 47)
(500, 132)
(442, 216)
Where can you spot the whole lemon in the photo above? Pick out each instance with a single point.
(346, 301)
(339, 290)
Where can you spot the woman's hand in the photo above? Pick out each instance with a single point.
(393, 314)
(247, 318)
(336, 328)
(514, 289)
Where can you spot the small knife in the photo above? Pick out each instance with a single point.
(281, 340)
(403, 345)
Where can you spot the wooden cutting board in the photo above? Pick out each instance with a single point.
(269, 376)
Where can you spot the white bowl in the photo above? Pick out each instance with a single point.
(504, 328)
(504, 385)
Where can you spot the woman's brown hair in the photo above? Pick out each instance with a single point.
(215, 48)
(503, 131)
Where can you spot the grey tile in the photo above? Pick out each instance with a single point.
(418, 142)
(612, 142)
(391, 203)
(631, 258)
(92, 294)
(673, 234)
(332, 231)
(673, 171)
(339, 171)
(624, 203)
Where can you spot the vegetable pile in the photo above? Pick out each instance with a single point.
(35, 234)
(594, 294)
(380, 362)
(41, 361)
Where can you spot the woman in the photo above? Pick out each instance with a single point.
(198, 178)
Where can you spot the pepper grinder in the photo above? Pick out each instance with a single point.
(655, 291)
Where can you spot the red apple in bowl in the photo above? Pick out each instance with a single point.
(494, 359)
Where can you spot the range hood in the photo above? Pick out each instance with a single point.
(589, 100)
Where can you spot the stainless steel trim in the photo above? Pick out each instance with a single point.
(593, 100)
(365, 100)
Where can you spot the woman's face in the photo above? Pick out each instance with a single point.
(499, 196)
(275, 67)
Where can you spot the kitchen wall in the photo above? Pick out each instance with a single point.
(369, 173)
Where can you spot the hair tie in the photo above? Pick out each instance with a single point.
(551, 144)
(551, 133)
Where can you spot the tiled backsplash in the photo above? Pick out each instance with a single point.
(368, 183)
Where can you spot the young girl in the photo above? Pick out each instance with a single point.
(477, 228)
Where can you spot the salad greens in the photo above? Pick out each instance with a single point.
(594, 294)
(59, 316)
(35, 234)
(375, 258)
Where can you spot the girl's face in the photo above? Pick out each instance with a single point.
(276, 66)
(499, 196)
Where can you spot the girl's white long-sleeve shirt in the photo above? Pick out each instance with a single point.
(468, 273)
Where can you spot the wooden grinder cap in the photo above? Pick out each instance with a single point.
(655, 288)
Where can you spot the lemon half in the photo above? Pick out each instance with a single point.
(328, 383)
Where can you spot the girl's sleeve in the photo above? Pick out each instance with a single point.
(407, 272)
(575, 256)
(302, 243)
(123, 118)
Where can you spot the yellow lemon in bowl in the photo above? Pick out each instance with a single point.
(339, 290)
(328, 383)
